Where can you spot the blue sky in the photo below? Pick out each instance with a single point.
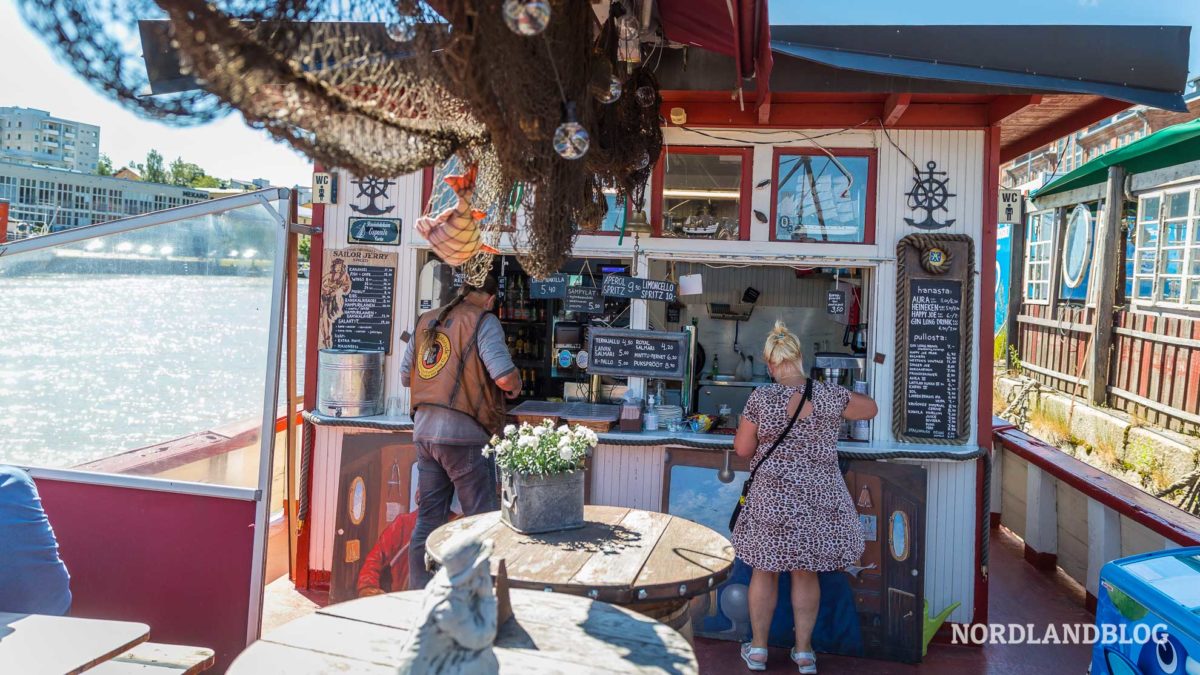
(32, 76)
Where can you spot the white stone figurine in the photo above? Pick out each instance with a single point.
(457, 626)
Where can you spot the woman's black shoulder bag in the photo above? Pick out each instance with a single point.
(737, 509)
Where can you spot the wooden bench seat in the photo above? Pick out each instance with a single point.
(151, 658)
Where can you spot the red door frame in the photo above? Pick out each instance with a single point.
(747, 155)
(872, 156)
(316, 258)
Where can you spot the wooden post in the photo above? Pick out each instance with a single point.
(996, 497)
(1041, 519)
(1016, 287)
(1105, 266)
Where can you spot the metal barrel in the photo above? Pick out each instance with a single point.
(350, 382)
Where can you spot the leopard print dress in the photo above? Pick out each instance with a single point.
(799, 514)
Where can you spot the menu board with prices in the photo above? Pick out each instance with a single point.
(638, 353)
(835, 303)
(636, 288)
(357, 288)
(934, 369)
(552, 287)
(583, 299)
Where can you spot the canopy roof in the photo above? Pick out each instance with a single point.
(1171, 146)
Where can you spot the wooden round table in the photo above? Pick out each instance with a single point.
(650, 562)
(547, 634)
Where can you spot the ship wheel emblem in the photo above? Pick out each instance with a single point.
(372, 188)
(929, 194)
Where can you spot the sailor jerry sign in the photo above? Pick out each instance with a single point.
(357, 287)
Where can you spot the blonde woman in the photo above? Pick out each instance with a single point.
(798, 517)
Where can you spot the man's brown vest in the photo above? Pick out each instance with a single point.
(451, 374)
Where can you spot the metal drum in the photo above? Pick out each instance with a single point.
(350, 382)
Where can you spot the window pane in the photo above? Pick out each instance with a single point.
(1148, 237)
(153, 338)
(1171, 261)
(1149, 210)
(1193, 291)
(1145, 288)
(1177, 205)
(1170, 289)
(1175, 233)
(819, 201)
(612, 219)
(702, 196)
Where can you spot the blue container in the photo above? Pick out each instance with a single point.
(1148, 615)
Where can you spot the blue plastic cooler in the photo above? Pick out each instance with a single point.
(1152, 602)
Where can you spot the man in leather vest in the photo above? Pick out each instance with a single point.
(459, 372)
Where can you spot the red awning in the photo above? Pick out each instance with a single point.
(739, 29)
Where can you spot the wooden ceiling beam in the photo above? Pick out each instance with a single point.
(894, 107)
(1005, 106)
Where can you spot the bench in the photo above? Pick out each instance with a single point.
(151, 658)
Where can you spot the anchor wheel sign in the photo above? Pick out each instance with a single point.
(929, 194)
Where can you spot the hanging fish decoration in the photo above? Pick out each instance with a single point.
(454, 233)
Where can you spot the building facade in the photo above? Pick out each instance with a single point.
(35, 137)
(44, 199)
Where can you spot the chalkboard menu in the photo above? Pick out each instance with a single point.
(356, 299)
(934, 371)
(835, 303)
(637, 353)
(583, 299)
(620, 286)
(553, 286)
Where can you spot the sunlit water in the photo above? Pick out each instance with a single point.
(94, 365)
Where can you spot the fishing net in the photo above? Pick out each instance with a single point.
(387, 87)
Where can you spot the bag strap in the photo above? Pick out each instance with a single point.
(786, 430)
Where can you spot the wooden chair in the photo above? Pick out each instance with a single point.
(151, 658)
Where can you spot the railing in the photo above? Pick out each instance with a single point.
(1074, 516)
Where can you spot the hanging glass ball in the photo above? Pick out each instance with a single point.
(526, 17)
(642, 162)
(608, 94)
(645, 96)
(401, 31)
(571, 140)
(628, 27)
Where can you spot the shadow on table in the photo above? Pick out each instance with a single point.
(643, 640)
(591, 538)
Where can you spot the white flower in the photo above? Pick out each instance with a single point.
(510, 430)
(566, 452)
(564, 429)
(539, 431)
(504, 446)
(526, 442)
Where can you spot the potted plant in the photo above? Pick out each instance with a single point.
(541, 475)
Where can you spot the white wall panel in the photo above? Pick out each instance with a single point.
(630, 476)
(950, 530)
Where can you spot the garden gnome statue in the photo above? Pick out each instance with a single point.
(457, 625)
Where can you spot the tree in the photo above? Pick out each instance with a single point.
(104, 167)
(155, 171)
(187, 174)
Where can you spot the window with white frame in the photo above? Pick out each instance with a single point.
(1166, 250)
(1039, 248)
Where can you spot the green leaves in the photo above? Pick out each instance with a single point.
(542, 449)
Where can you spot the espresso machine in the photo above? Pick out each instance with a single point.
(838, 368)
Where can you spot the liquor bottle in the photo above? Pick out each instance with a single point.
(522, 344)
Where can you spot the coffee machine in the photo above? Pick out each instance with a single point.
(838, 368)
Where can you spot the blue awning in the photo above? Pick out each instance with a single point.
(923, 69)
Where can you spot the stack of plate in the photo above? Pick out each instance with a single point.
(668, 414)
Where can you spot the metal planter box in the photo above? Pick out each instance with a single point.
(531, 504)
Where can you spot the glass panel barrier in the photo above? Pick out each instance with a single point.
(142, 347)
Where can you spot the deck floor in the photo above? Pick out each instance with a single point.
(1019, 594)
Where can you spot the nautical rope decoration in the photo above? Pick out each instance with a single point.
(911, 253)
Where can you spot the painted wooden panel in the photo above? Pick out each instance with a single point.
(327, 460)
(1015, 472)
(950, 528)
(1137, 538)
(1162, 366)
(629, 476)
(1072, 532)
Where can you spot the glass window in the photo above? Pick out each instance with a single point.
(1077, 252)
(1038, 249)
(822, 198)
(703, 193)
(145, 351)
(1165, 251)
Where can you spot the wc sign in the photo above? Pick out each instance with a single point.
(324, 188)
(1009, 210)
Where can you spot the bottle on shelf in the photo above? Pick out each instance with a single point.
(716, 369)
(520, 346)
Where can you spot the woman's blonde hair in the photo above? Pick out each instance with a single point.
(782, 350)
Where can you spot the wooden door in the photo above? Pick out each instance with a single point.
(357, 520)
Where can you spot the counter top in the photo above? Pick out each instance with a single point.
(714, 442)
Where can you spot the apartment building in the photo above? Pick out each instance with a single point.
(31, 136)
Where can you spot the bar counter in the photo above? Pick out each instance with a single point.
(714, 442)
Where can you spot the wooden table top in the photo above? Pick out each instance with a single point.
(620, 555)
(37, 643)
(548, 634)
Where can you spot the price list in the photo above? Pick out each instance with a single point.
(934, 370)
(637, 353)
(366, 320)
